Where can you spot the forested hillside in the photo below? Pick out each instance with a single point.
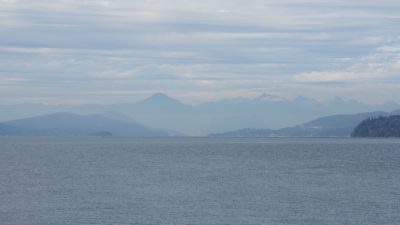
(378, 127)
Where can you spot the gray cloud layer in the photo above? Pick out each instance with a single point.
(74, 51)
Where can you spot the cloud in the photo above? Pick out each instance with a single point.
(381, 65)
(194, 46)
(331, 76)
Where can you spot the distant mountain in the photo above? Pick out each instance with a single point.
(73, 124)
(378, 127)
(269, 98)
(160, 101)
(167, 113)
(330, 126)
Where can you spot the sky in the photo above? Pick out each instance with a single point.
(89, 51)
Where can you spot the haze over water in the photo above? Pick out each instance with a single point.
(100, 70)
(123, 181)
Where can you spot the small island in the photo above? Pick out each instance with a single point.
(380, 127)
(102, 134)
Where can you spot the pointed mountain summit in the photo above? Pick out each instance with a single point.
(160, 101)
(160, 98)
(265, 97)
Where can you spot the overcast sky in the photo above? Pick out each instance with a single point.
(81, 51)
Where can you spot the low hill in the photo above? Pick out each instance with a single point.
(11, 130)
(330, 126)
(73, 124)
(378, 127)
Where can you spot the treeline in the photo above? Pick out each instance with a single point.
(378, 127)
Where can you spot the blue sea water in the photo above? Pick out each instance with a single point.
(199, 181)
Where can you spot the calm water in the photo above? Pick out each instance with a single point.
(199, 181)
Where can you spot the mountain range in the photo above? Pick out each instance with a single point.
(166, 113)
(113, 123)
